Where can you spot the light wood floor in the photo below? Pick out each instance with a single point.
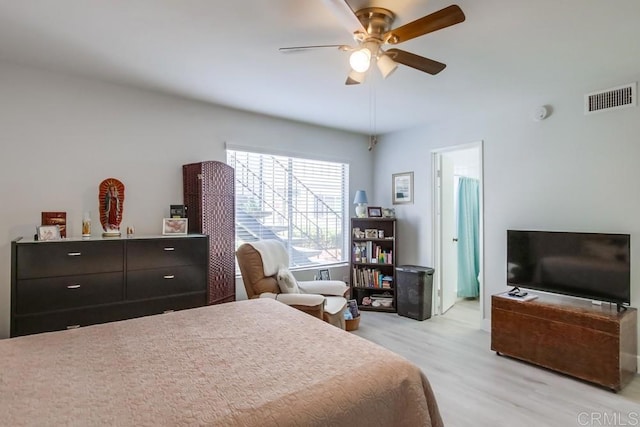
(475, 387)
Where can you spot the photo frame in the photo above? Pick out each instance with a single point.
(48, 232)
(177, 211)
(371, 233)
(374, 212)
(388, 212)
(402, 187)
(56, 218)
(174, 226)
(324, 275)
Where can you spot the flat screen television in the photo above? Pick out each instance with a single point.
(595, 266)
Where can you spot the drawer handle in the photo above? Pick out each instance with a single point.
(167, 311)
(74, 253)
(169, 249)
(76, 286)
(73, 326)
(170, 276)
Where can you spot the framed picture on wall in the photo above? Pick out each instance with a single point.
(402, 187)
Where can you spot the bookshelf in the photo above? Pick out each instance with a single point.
(373, 261)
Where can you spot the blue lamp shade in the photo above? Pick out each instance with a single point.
(361, 197)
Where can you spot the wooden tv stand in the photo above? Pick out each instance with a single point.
(594, 343)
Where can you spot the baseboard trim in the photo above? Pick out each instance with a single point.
(486, 325)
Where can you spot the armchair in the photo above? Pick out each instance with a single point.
(259, 264)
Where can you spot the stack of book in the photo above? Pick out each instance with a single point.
(371, 278)
(369, 252)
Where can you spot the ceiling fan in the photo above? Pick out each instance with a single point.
(371, 28)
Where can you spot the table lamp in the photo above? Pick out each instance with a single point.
(361, 203)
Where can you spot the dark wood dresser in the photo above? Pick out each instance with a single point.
(590, 342)
(70, 283)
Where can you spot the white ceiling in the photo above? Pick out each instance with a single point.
(226, 52)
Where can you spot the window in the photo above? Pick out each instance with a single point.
(300, 202)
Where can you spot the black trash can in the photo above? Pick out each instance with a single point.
(414, 287)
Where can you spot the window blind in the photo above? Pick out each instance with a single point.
(301, 202)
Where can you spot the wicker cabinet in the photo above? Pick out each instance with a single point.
(209, 194)
(373, 261)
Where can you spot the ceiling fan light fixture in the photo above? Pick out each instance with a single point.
(386, 65)
(356, 77)
(360, 60)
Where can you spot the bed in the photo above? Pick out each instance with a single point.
(247, 363)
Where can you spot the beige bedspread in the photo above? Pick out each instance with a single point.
(248, 363)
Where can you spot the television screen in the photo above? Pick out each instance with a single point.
(588, 265)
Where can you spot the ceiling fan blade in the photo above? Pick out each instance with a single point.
(346, 15)
(416, 61)
(294, 49)
(436, 21)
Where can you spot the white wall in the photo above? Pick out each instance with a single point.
(569, 172)
(62, 135)
(466, 162)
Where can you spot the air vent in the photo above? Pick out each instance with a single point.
(611, 99)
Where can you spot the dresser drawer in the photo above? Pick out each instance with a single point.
(169, 304)
(153, 253)
(69, 319)
(159, 282)
(47, 259)
(58, 293)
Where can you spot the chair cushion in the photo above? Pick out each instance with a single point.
(323, 287)
(255, 282)
(300, 299)
(334, 305)
(334, 308)
(286, 281)
(273, 254)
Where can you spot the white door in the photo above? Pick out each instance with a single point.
(449, 236)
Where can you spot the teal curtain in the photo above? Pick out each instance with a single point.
(468, 237)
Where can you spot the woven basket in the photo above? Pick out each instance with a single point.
(352, 324)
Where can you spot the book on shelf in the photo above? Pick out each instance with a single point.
(387, 282)
(371, 253)
(364, 277)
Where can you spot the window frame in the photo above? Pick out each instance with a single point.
(300, 160)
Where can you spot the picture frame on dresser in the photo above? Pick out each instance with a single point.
(56, 218)
(48, 232)
(175, 226)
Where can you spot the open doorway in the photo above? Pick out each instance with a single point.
(457, 230)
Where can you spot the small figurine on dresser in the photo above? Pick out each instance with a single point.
(111, 199)
(86, 225)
